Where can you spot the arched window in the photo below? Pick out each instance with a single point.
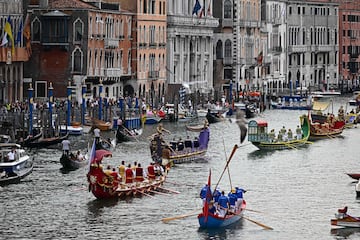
(227, 9)
(77, 60)
(228, 49)
(78, 31)
(36, 26)
(219, 50)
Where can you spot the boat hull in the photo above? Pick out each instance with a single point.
(346, 222)
(217, 222)
(71, 164)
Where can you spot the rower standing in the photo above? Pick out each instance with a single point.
(129, 174)
(298, 132)
(223, 204)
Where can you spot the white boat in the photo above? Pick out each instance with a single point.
(330, 93)
(72, 130)
(14, 171)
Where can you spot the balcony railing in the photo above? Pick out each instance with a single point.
(113, 72)
(228, 61)
(153, 74)
(111, 43)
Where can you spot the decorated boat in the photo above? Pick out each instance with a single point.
(343, 219)
(151, 117)
(293, 103)
(323, 125)
(14, 171)
(105, 186)
(180, 151)
(259, 136)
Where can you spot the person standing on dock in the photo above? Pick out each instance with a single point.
(66, 146)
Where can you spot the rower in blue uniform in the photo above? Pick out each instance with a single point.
(223, 204)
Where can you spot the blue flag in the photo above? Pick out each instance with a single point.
(197, 8)
(19, 33)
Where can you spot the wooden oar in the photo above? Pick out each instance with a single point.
(257, 223)
(308, 142)
(169, 190)
(161, 193)
(146, 194)
(227, 164)
(193, 213)
(251, 210)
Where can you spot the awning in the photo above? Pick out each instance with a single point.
(320, 106)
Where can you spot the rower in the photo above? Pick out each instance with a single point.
(298, 132)
(151, 171)
(139, 173)
(232, 199)
(188, 144)
(129, 174)
(223, 204)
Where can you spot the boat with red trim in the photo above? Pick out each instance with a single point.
(342, 219)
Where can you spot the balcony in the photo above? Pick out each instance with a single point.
(297, 48)
(113, 72)
(153, 74)
(276, 49)
(324, 48)
(227, 23)
(20, 55)
(152, 45)
(228, 61)
(111, 43)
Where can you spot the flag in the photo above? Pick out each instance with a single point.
(4, 40)
(197, 8)
(209, 9)
(19, 33)
(92, 157)
(208, 198)
(27, 34)
(8, 30)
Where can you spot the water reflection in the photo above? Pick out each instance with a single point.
(259, 154)
(345, 233)
(97, 206)
(220, 233)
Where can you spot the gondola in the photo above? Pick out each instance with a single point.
(70, 162)
(123, 134)
(46, 142)
(29, 139)
(181, 151)
(355, 176)
(213, 117)
(258, 135)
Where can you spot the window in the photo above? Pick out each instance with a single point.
(78, 30)
(54, 30)
(228, 49)
(219, 50)
(227, 9)
(35, 36)
(77, 60)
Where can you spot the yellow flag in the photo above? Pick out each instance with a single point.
(7, 29)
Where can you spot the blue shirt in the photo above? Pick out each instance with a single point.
(232, 198)
(223, 201)
(239, 192)
(203, 192)
(216, 195)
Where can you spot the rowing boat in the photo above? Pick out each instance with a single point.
(342, 219)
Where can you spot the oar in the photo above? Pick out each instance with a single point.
(227, 164)
(251, 210)
(289, 145)
(144, 193)
(161, 193)
(193, 213)
(257, 223)
(308, 142)
(169, 190)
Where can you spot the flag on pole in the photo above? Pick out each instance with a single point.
(208, 198)
(209, 9)
(19, 33)
(197, 9)
(4, 41)
(92, 157)
(8, 30)
(27, 34)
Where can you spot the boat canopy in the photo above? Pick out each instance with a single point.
(320, 106)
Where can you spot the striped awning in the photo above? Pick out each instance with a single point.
(320, 106)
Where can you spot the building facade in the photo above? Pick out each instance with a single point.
(190, 43)
(13, 52)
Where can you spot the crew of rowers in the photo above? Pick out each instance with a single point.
(135, 173)
(220, 204)
(284, 136)
(186, 145)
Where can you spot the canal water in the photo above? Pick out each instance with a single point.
(296, 192)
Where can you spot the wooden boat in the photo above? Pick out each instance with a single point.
(13, 172)
(324, 126)
(29, 139)
(215, 221)
(197, 128)
(104, 186)
(355, 176)
(46, 142)
(342, 219)
(102, 125)
(179, 152)
(214, 117)
(258, 135)
(70, 162)
(351, 120)
(123, 134)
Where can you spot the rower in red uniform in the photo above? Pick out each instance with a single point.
(139, 173)
(129, 174)
(151, 171)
